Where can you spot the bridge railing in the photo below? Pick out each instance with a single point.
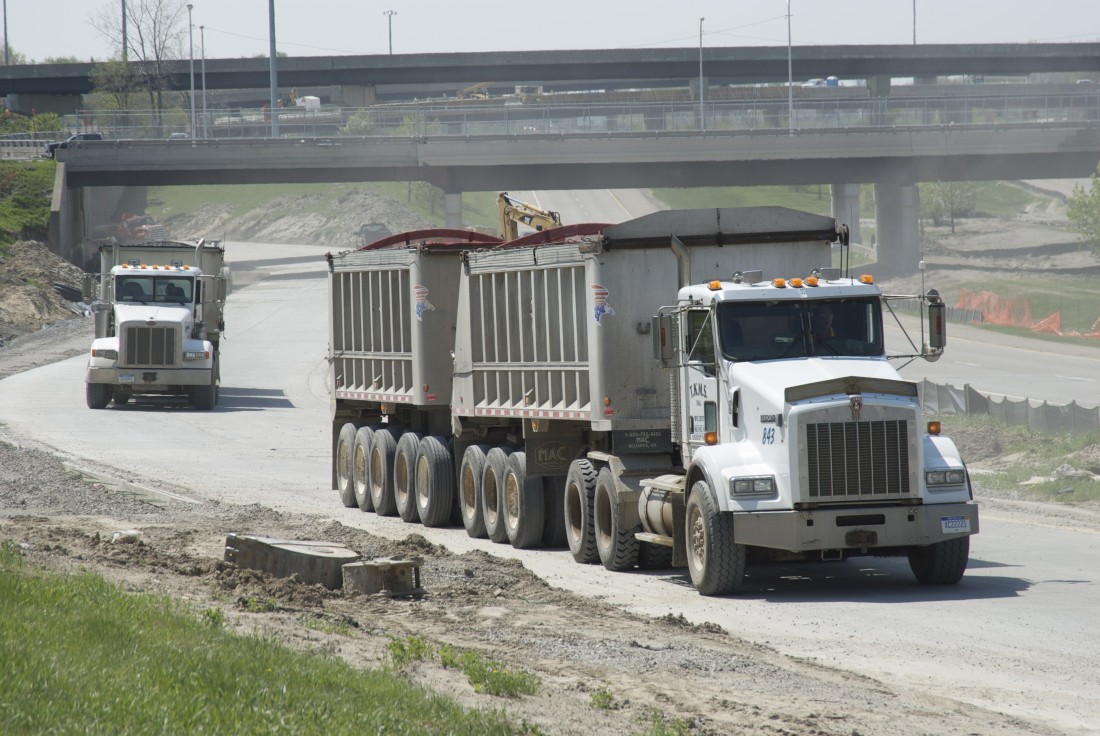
(435, 118)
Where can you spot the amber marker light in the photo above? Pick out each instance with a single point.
(796, 283)
(811, 281)
(711, 438)
(607, 401)
(714, 285)
(934, 428)
(866, 279)
(779, 283)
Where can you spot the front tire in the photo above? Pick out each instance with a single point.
(435, 483)
(940, 564)
(524, 509)
(716, 562)
(615, 540)
(345, 446)
(98, 395)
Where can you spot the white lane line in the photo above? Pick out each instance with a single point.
(1076, 378)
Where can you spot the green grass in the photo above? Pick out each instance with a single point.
(1030, 456)
(816, 199)
(81, 656)
(1000, 199)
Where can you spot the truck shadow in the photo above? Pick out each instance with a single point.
(864, 579)
(229, 399)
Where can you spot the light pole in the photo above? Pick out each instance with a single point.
(7, 56)
(914, 22)
(191, 45)
(702, 113)
(790, 76)
(274, 72)
(202, 45)
(390, 14)
(125, 51)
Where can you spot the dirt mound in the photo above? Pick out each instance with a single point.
(30, 276)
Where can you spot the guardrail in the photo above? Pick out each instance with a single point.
(456, 118)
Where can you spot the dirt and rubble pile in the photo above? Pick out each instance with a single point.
(31, 278)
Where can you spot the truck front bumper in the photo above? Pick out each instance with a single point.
(151, 378)
(865, 528)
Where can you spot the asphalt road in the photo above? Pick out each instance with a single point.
(1017, 634)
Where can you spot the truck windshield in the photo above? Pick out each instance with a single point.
(772, 330)
(146, 289)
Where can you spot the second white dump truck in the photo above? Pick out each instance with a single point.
(159, 318)
(692, 388)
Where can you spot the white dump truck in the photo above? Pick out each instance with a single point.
(158, 310)
(692, 388)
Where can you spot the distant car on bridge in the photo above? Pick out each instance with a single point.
(51, 148)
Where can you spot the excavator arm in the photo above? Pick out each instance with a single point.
(515, 212)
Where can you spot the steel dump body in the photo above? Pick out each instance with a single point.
(392, 313)
(562, 331)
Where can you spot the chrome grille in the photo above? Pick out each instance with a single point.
(857, 460)
(153, 347)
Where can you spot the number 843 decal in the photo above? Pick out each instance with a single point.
(768, 437)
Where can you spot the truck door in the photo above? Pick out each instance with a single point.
(699, 383)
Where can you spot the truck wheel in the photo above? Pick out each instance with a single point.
(382, 449)
(435, 482)
(360, 468)
(524, 508)
(469, 490)
(492, 493)
(553, 493)
(98, 395)
(716, 563)
(580, 489)
(940, 564)
(615, 541)
(404, 477)
(654, 556)
(345, 446)
(204, 398)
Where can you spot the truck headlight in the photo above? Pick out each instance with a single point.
(761, 486)
(954, 477)
(196, 355)
(105, 353)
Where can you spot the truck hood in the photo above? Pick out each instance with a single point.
(151, 312)
(768, 381)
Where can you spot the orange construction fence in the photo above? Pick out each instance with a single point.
(1013, 312)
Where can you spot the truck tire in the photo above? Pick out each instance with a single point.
(404, 477)
(615, 541)
(382, 449)
(492, 493)
(654, 556)
(524, 508)
(204, 398)
(345, 447)
(940, 564)
(360, 468)
(435, 482)
(716, 562)
(98, 395)
(469, 490)
(580, 489)
(553, 493)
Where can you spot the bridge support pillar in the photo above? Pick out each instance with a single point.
(846, 208)
(897, 229)
(452, 208)
(30, 104)
(80, 215)
(352, 95)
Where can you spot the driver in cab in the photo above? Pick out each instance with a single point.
(821, 327)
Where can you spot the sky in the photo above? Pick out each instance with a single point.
(235, 28)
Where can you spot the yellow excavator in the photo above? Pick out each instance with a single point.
(515, 212)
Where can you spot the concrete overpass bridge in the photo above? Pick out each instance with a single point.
(893, 158)
(368, 79)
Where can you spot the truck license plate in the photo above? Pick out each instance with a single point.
(954, 524)
(126, 378)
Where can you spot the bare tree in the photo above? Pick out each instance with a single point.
(155, 33)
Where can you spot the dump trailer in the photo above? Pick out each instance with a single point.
(159, 318)
(694, 388)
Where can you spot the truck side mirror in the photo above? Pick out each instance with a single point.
(937, 322)
(88, 284)
(219, 289)
(662, 339)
